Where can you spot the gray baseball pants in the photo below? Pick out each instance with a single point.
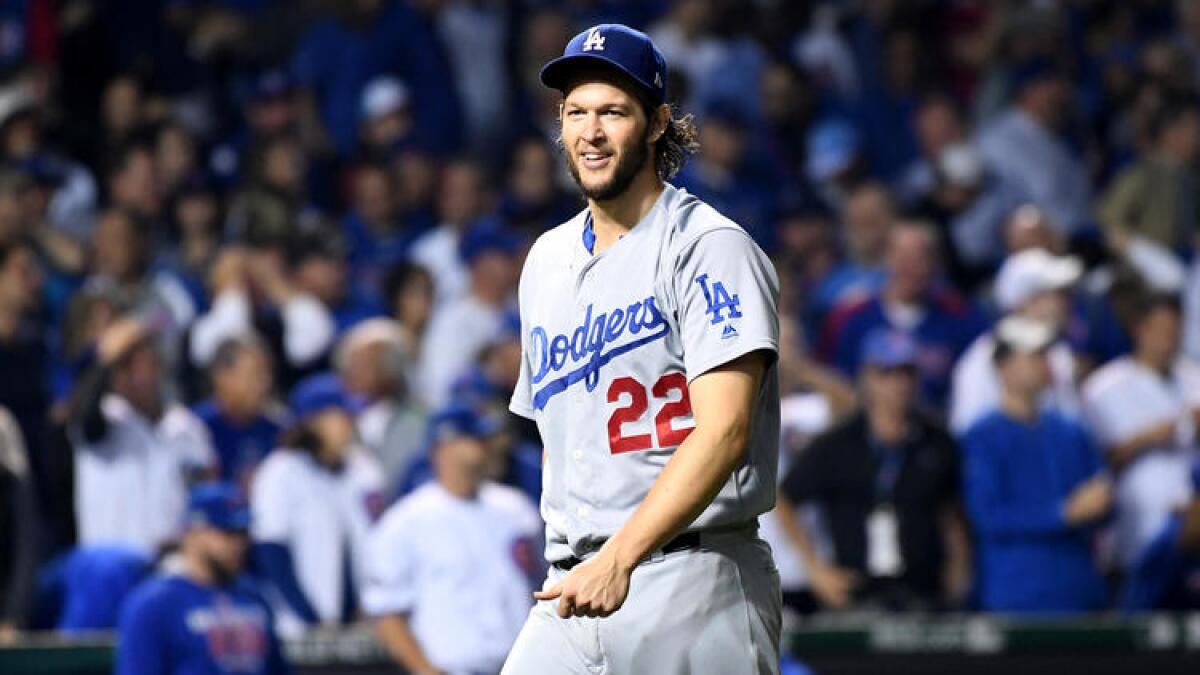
(713, 610)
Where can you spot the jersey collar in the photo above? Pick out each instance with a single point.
(589, 234)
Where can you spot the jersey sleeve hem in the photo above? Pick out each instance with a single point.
(720, 359)
(521, 409)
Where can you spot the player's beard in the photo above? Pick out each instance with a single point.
(627, 168)
(219, 572)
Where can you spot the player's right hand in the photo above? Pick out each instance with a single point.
(833, 586)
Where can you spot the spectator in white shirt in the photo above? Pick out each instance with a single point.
(136, 452)
(462, 328)
(460, 203)
(1143, 409)
(313, 501)
(250, 287)
(373, 362)
(452, 566)
(1035, 284)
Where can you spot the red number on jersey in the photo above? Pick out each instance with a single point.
(618, 443)
(668, 435)
(637, 406)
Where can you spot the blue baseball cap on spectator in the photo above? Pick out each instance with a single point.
(483, 239)
(889, 348)
(1031, 72)
(627, 50)
(832, 146)
(319, 392)
(457, 420)
(218, 504)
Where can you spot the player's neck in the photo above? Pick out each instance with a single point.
(459, 485)
(197, 571)
(1157, 362)
(614, 218)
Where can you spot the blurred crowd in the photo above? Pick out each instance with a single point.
(277, 244)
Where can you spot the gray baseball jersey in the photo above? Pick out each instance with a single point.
(610, 343)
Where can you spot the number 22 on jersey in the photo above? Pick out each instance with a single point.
(638, 403)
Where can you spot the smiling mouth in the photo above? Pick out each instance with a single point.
(594, 160)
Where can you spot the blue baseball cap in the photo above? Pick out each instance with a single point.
(319, 392)
(832, 146)
(888, 348)
(457, 420)
(617, 46)
(217, 504)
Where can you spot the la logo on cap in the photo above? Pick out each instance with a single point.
(594, 41)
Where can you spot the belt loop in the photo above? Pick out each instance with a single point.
(657, 555)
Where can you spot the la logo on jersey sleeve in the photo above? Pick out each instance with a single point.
(721, 306)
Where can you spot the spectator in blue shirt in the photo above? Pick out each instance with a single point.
(911, 300)
(237, 414)
(202, 619)
(1033, 487)
(85, 589)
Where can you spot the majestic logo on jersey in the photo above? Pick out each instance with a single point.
(719, 300)
(587, 345)
(594, 41)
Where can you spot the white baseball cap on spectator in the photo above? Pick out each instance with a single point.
(1032, 271)
(1022, 335)
(384, 96)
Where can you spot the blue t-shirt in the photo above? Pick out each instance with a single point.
(173, 625)
(240, 446)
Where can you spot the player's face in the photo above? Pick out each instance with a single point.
(226, 552)
(466, 456)
(605, 138)
(336, 431)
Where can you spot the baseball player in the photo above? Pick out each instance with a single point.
(202, 618)
(649, 338)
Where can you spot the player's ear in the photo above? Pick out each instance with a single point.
(659, 122)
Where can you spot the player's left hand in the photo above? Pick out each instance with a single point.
(596, 587)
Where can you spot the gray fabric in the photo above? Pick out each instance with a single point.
(626, 330)
(711, 611)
